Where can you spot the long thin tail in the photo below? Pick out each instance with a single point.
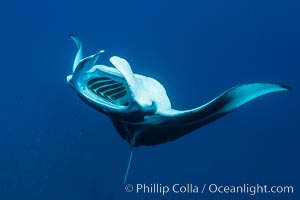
(129, 162)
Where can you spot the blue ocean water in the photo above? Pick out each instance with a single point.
(53, 146)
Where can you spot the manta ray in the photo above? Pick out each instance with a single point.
(139, 106)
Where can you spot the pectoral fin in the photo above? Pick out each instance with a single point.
(179, 123)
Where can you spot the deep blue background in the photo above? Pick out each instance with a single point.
(53, 146)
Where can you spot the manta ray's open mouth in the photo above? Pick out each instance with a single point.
(110, 90)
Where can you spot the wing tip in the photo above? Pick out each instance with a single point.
(286, 87)
(280, 87)
(76, 39)
(73, 36)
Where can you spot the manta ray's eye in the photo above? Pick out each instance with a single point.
(109, 90)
